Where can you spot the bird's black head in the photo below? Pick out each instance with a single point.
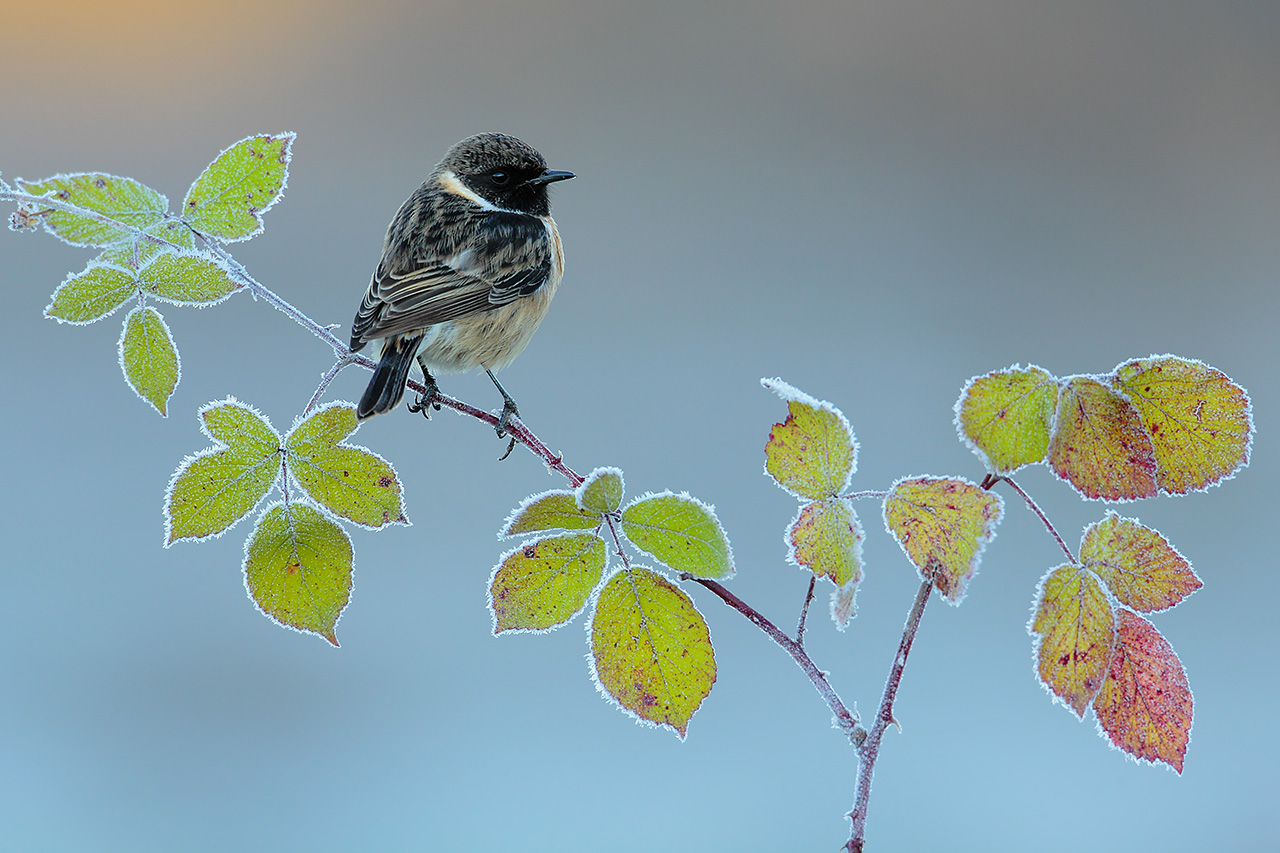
(502, 171)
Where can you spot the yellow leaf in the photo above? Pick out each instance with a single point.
(650, 648)
(553, 510)
(544, 584)
(1200, 423)
(1075, 625)
(1006, 416)
(825, 539)
(811, 454)
(1137, 564)
(942, 525)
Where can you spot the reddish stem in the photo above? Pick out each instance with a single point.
(1036, 509)
(848, 722)
(870, 748)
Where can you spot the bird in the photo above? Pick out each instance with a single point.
(469, 266)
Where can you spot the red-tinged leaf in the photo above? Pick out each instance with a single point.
(826, 539)
(543, 584)
(1199, 421)
(1099, 445)
(813, 453)
(1137, 564)
(1076, 632)
(1145, 707)
(942, 526)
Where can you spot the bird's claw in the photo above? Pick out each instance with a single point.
(509, 411)
(427, 400)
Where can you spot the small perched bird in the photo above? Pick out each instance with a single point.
(469, 266)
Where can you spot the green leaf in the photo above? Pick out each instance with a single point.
(217, 487)
(650, 649)
(187, 279)
(553, 510)
(1006, 416)
(825, 538)
(136, 252)
(601, 492)
(349, 481)
(297, 568)
(543, 584)
(124, 200)
(227, 201)
(682, 532)
(148, 357)
(812, 454)
(91, 295)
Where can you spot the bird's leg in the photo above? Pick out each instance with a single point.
(426, 401)
(508, 410)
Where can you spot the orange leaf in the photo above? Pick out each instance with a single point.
(1099, 445)
(1137, 564)
(1200, 422)
(1075, 624)
(1145, 706)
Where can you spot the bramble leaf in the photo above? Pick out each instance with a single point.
(682, 532)
(650, 648)
(217, 487)
(553, 510)
(1199, 422)
(942, 526)
(842, 604)
(601, 492)
(543, 584)
(136, 252)
(148, 357)
(186, 279)
(1138, 565)
(91, 295)
(1099, 445)
(297, 568)
(228, 199)
(811, 454)
(1006, 416)
(1145, 706)
(124, 200)
(349, 481)
(826, 539)
(1075, 627)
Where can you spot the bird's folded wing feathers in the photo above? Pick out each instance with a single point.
(474, 280)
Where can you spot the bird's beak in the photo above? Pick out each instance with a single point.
(550, 176)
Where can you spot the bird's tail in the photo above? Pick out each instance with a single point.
(387, 385)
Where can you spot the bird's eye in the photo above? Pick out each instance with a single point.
(499, 177)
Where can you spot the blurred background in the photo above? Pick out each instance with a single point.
(872, 200)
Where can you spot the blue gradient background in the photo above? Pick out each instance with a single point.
(874, 200)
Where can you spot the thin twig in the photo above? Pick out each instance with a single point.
(1044, 518)
(804, 611)
(324, 383)
(870, 493)
(870, 748)
(847, 721)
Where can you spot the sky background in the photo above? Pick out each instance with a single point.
(872, 200)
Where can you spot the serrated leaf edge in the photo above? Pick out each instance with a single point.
(177, 358)
(789, 393)
(286, 152)
(217, 447)
(971, 444)
(711, 511)
(244, 569)
(530, 501)
(588, 602)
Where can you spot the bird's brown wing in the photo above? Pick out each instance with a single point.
(511, 258)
